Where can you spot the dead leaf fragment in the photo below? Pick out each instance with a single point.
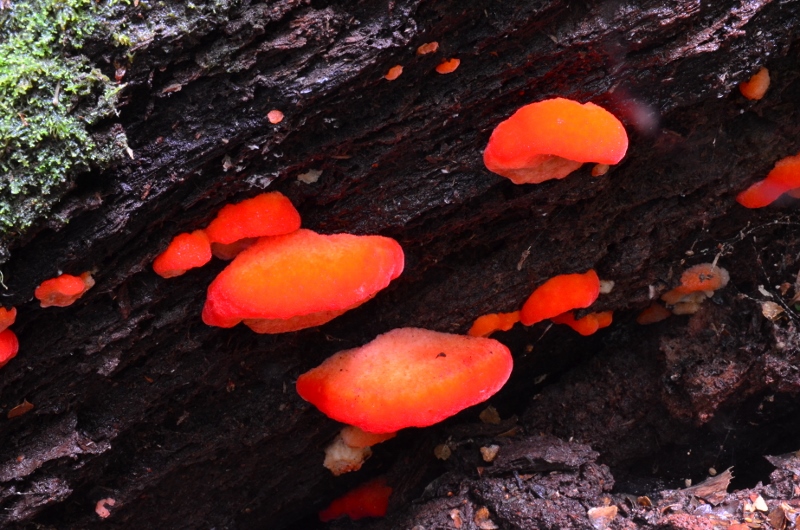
(19, 410)
(489, 453)
(482, 519)
(771, 310)
(760, 504)
(490, 415)
(455, 515)
(602, 516)
(442, 451)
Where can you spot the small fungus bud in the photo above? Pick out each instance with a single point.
(655, 313)
(275, 116)
(552, 138)
(368, 500)
(63, 290)
(560, 294)
(448, 66)
(393, 73)
(586, 325)
(487, 324)
(428, 47)
(185, 251)
(756, 86)
(7, 317)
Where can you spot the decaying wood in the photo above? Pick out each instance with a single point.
(186, 426)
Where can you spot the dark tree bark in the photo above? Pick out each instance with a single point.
(188, 426)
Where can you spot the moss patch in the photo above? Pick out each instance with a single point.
(49, 95)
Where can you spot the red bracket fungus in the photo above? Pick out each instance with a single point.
(408, 377)
(586, 325)
(185, 251)
(63, 290)
(300, 280)
(784, 177)
(552, 138)
(368, 500)
(485, 325)
(9, 346)
(268, 214)
(560, 294)
(755, 87)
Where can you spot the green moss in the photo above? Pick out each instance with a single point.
(49, 94)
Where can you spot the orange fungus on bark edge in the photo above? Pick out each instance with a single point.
(368, 500)
(63, 290)
(303, 279)
(552, 138)
(185, 251)
(408, 377)
(785, 176)
(586, 325)
(9, 346)
(755, 87)
(7, 317)
(560, 294)
(268, 214)
(485, 325)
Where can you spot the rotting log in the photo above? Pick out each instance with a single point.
(186, 426)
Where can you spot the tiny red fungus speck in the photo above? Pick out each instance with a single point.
(428, 47)
(552, 138)
(275, 116)
(560, 294)
(63, 290)
(408, 377)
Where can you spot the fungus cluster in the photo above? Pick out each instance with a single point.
(784, 177)
(552, 138)
(281, 278)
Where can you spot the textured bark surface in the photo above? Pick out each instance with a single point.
(187, 426)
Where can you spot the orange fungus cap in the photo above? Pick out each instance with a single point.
(7, 317)
(185, 251)
(448, 66)
(63, 290)
(785, 176)
(552, 138)
(755, 87)
(9, 346)
(485, 325)
(408, 377)
(300, 274)
(368, 500)
(560, 294)
(268, 214)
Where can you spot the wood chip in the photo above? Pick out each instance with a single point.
(602, 516)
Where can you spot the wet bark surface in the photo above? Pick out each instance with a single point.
(187, 426)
